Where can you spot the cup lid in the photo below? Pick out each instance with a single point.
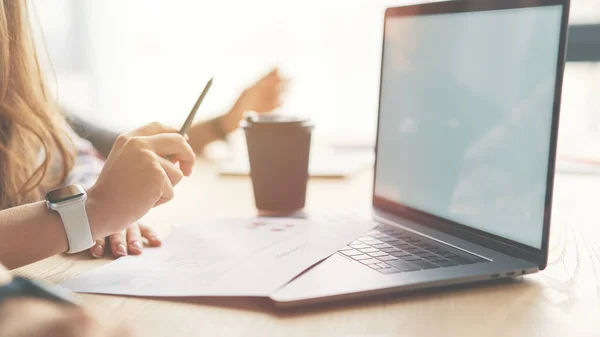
(279, 120)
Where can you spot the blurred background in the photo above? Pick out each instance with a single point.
(121, 64)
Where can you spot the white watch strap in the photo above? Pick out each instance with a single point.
(77, 227)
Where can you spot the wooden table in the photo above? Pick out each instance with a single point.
(563, 300)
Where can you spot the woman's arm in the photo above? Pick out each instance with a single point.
(32, 232)
(135, 178)
(206, 132)
(262, 97)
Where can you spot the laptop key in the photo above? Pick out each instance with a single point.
(369, 261)
(370, 241)
(429, 261)
(403, 266)
(424, 254)
(374, 266)
(446, 263)
(389, 270)
(368, 250)
(409, 258)
(360, 257)
(377, 254)
(400, 254)
(388, 239)
(359, 245)
(377, 235)
(350, 252)
(463, 260)
(413, 250)
(381, 245)
(386, 258)
(390, 250)
(424, 264)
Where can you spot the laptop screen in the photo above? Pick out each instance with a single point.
(465, 117)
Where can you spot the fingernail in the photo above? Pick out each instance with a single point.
(155, 241)
(98, 251)
(121, 250)
(137, 245)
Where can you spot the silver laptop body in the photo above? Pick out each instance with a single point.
(466, 145)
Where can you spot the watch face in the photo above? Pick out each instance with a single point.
(65, 193)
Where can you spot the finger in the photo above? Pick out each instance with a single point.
(167, 194)
(97, 250)
(150, 235)
(118, 244)
(146, 130)
(165, 198)
(151, 129)
(283, 85)
(269, 79)
(272, 75)
(174, 146)
(134, 239)
(173, 172)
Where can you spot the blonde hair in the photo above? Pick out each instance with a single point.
(32, 138)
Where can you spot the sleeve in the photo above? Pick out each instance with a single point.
(88, 162)
(102, 139)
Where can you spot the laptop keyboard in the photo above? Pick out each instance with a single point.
(390, 250)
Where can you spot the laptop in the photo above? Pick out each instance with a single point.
(465, 157)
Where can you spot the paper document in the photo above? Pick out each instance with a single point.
(226, 257)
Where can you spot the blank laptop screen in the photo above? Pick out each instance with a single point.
(466, 110)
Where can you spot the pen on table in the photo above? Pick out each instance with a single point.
(190, 118)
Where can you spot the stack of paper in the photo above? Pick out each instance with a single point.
(239, 257)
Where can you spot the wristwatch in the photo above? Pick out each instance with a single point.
(22, 287)
(69, 202)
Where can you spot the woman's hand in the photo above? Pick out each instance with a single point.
(262, 97)
(128, 241)
(136, 178)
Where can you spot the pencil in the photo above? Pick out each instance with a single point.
(190, 118)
